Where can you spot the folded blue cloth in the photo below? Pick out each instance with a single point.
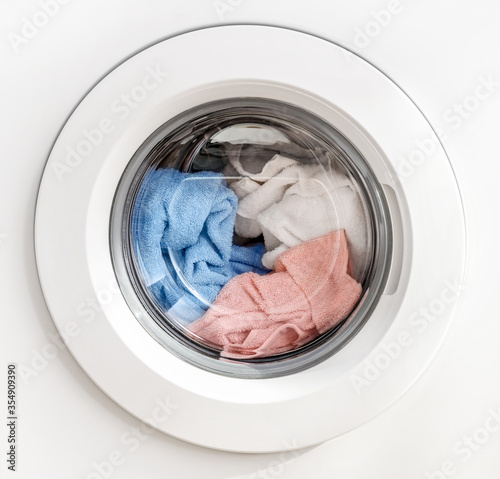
(181, 233)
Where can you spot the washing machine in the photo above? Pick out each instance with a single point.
(324, 172)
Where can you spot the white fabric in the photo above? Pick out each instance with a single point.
(290, 203)
(271, 168)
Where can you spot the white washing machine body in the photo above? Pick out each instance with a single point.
(412, 394)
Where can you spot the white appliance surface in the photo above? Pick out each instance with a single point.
(443, 55)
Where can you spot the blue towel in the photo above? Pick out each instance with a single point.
(181, 233)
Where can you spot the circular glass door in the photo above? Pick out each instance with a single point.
(252, 232)
(266, 248)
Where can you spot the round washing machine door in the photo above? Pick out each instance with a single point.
(250, 238)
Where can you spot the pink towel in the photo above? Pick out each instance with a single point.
(309, 292)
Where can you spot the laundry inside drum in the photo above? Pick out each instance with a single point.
(250, 236)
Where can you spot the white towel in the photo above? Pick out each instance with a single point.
(251, 205)
(290, 203)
